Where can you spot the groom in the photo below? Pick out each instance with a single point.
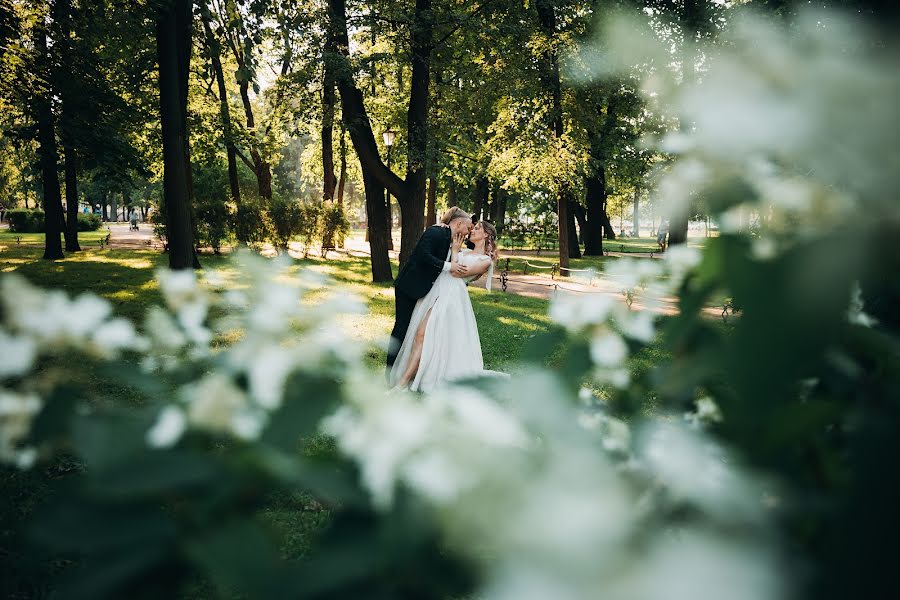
(427, 261)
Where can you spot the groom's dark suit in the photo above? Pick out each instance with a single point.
(415, 280)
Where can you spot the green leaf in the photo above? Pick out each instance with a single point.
(239, 557)
(157, 473)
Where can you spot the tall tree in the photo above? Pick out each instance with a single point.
(239, 38)
(329, 181)
(49, 155)
(375, 174)
(215, 55)
(63, 18)
(173, 42)
(551, 82)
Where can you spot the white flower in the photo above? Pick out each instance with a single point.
(680, 258)
(180, 287)
(169, 427)
(855, 312)
(381, 436)
(216, 404)
(608, 349)
(482, 418)
(576, 312)
(17, 411)
(615, 435)
(638, 325)
(267, 372)
(114, 336)
(276, 305)
(694, 468)
(163, 330)
(18, 354)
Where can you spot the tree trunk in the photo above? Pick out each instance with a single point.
(356, 119)
(215, 52)
(173, 46)
(104, 208)
(636, 227)
(343, 177)
(574, 248)
(551, 81)
(678, 229)
(608, 231)
(482, 191)
(430, 217)
(412, 201)
(329, 182)
(502, 198)
(594, 200)
(71, 201)
(114, 208)
(49, 156)
(581, 217)
(375, 209)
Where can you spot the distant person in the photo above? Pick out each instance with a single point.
(662, 235)
(133, 218)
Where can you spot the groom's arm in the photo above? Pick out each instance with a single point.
(427, 250)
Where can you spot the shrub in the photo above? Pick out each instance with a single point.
(25, 220)
(88, 222)
(334, 227)
(215, 220)
(292, 219)
(310, 220)
(157, 219)
(251, 223)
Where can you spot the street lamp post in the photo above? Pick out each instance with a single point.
(389, 142)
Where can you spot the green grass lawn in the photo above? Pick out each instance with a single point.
(85, 238)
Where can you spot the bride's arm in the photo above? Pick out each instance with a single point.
(480, 268)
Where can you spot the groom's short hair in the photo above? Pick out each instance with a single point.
(454, 212)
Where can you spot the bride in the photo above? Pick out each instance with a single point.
(442, 342)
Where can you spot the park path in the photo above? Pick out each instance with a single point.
(531, 285)
(121, 236)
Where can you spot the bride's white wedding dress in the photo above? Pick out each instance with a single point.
(452, 347)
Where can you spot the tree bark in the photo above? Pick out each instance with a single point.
(595, 201)
(215, 52)
(551, 80)
(343, 177)
(329, 182)
(378, 234)
(49, 155)
(173, 45)
(430, 217)
(581, 217)
(678, 229)
(412, 202)
(482, 190)
(574, 248)
(502, 198)
(72, 244)
(636, 228)
(376, 176)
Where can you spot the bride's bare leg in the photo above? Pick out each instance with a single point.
(416, 354)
